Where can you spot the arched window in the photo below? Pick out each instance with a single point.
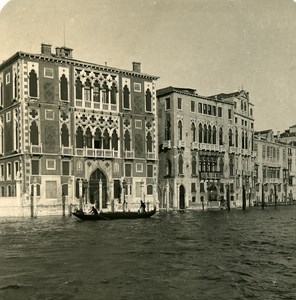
(180, 164)
(230, 137)
(193, 132)
(96, 92)
(243, 140)
(180, 129)
(98, 139)
(106, 140)
(9, 191)
(246, 140)
(78, 89)
(231, 166)
(126, 93)
(113, 93)
(205, 134)
(214, 135)
(149, 142)
(114, 140)
(200, 133)
(15, 86)
(149, 189)
(34, 133)
(193, 165)
(105, 93)
(87, 88)
(33, 84)
(148, 100)
(79, 138)
(236, 138)
(220, 136)
(127, 141)
(221, 165)
(88, 138)
(65, 136)
(168, 168)
(168, 131)
(209, 134)
(64, 87)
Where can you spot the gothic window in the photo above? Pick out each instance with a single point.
(64, 87)
(88, 138)
(114, 140)
(220, 136)
(148, 100)
(214, 135)
(243, 140)
(180, 164)
(168, 168)
(105, 93)
(33, 84)
(205, 133)
(96, 92)
(126, 102)
(127, 141)
(180, 129)
(79, 138)
(210, 134)
(113, 93)
(236, 138)
(168, 131)
(87, 92)
(221, 165)
(200, 133)
(246, 141)
(15, 86)
(65, 136)
(149, 142)
(1, 140)
(231, 166)
(193, 132)
(193, 165)
(78, 89)
(230, 137)
(16, 135)
(106, 140)
(98, 139)
(34, 133)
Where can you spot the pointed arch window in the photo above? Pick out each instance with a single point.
(126, 100)
(78, 88)
(149, 142)
(79, 138)
(210, 134)
(200, 133)
(106, 140)
(113, 93)
(180, 130)
(167, 131)
(98, 139)
(33, 84)
(88, 138)
(96, 92)
(230, 137)
(193, 165)
(220, 136)
(243, 140)
(168, 168)
(180, 164)
(34, 133)
(246, 140)
(105, 93)
(205, 133)
(127, 141)
(148, 100)
(221, 165)
(87, 91)
(65, 136)
(193, 132)
(64, 87)
(236, 138)
(214, 135)
(114, 140)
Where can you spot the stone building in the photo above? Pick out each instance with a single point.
(205, 149)
(75, 133)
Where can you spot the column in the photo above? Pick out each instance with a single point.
(69, 202)
(34, 197)
(111, 202)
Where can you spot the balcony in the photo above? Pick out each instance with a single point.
(36, 149)
(181, 144)
(194, 146)
(129, 154)
(95, 153)
(210, 175)
(151, 155)
(232, 150)
(166, 144)
(211, 147)
(66, 151)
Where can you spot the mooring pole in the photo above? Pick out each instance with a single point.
(262, 203)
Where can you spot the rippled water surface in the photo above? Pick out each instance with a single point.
(194, 255)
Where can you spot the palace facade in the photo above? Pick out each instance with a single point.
(75, 133)
(206, 155)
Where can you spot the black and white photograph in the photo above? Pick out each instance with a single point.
(147, 149)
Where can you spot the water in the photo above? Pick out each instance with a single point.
(194, 255)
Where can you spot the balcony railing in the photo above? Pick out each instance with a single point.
(67, 150)
(89, 152)
(150, 155)
(232, 150)
(166, 144)
(194, 146)
(128, 154)
(211, 147)
(210, 175)
(36, 149)
(181, 144)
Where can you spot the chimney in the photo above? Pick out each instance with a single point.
(137, 67)
(58, 51)
(45, 49)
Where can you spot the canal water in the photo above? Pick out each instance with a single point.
(194, 255)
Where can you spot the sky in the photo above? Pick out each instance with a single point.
(213, 46)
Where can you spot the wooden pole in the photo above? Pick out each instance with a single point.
(244, 198)
(227, 197)
(262, 202)
(275, 196)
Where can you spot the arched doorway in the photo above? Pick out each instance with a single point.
(212, 193)
(182, 197)
(93, 188)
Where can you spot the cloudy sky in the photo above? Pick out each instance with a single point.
(214, 46)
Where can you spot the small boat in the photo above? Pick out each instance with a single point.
(114, 215)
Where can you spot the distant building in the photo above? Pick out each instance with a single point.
(205, 149)
(73, 132)
(273, 161)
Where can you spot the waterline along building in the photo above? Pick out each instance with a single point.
(206, 155)
(75, 133)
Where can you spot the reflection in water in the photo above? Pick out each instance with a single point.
(193, 255)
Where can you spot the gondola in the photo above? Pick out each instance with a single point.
(114, 215)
